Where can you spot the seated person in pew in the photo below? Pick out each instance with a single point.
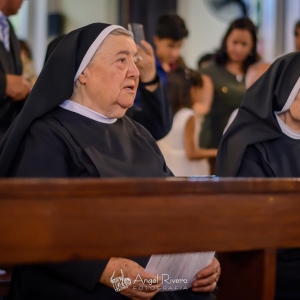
(264, 141)
(74, 125)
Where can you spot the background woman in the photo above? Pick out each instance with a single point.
(227, 71)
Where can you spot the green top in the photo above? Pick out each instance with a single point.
(228, 95)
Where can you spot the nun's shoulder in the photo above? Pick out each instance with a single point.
(43, 152)
(46, 121)
(46, 129)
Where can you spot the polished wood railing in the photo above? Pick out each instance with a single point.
(244, 220)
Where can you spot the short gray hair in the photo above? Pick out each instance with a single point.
(122, 31)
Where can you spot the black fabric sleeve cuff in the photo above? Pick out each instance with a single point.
(83, 274)
(2, 85)
(154, 81)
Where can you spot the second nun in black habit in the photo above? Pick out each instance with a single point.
(264, 141)
(73, 125)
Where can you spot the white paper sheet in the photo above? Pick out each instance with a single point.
(178, 271)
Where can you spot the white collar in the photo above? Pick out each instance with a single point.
(86, 112)
(287, 130)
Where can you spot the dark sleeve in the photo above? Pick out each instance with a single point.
(153, 112)
(83, 274)
(2, 84)
(155, 147)
(253, 164)
(42, 153)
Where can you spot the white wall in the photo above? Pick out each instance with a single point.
(292, 15)
(268, 34)
(205, 31)
(30, 24)
(79, 13)
(20, 21)
(277, 36)
(37, 31)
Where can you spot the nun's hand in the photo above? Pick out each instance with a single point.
(136, 287)
(146, 63)
(207, 278)
(17, 87)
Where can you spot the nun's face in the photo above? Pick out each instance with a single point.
(110, 81)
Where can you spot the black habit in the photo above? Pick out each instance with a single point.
(254, 145)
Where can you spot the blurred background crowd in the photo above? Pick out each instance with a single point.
(207, 53)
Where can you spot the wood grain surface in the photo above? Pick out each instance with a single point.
(245, 220)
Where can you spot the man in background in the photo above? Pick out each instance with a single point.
(168, 39)
(13, 87)
(169, 36)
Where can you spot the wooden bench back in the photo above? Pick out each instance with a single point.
(244, 220)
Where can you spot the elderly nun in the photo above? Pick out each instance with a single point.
(73, 125)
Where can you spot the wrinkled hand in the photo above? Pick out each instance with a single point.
(136, 290)
(207, 278)
(17, 87)
(146, 63)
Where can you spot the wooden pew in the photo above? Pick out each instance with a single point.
(244, 220)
